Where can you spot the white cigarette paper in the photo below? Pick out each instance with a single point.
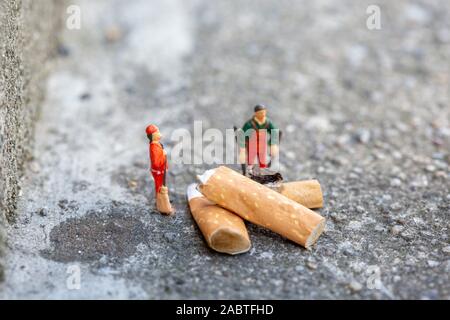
(261, 205)
(224, 231)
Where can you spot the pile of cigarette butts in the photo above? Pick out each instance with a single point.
(223, 198)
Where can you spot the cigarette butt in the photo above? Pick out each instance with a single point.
(261, 205)
(308, 193)
(224, 231)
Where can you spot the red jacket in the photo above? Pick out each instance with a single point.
(158, 157)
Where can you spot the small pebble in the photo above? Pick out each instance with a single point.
(418, 182)
(397, 155)
(291, 155)
(132, 184)
(363, 136)
(113, 34)
(438, 156)
(417, 14)
(378, 228)
(85, 96)
(290, 128)
(63, 50)
(440, 174)
(353, 175)
(432, 263)
(42, 212)
(355, 286)
(396, 206)
(311, 265)
(337, 217)
(63, 203)
(298, 268)
(354, 225)
(169, 236)
(395, 230)
(35, 167)
(407, 235)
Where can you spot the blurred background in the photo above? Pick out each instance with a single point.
(364, 108)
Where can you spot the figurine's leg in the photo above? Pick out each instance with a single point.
(262, 154)
(251, 156)
(158, 178)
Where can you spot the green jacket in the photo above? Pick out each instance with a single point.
(248, 130)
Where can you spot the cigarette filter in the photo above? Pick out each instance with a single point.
(261, 205)
(224, 231)
(308, 193)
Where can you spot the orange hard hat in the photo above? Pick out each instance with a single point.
(151, 129)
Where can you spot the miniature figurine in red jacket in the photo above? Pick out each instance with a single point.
(158, 169)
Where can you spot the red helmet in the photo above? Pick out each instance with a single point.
(151, 129)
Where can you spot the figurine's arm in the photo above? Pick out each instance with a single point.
(274, 139)
(274, 134)
(152, 155)
(241, 140)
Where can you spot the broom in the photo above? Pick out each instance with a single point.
(162, 198)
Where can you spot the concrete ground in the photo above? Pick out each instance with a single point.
(366, 112)
(28, 41)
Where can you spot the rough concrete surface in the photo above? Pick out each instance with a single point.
(365, 112)
(28, 38)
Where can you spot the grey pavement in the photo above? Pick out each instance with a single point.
(366, 112)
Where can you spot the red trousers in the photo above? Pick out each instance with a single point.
(257, 149)
(158, 177)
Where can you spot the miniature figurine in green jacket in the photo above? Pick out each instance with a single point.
(259, 135)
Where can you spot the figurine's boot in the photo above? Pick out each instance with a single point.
(250, 170)
(162, 201)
